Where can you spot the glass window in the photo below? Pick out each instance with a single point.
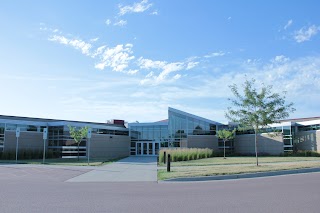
(32, 128)
(11, 127)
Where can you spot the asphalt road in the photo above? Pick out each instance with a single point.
(45, 190)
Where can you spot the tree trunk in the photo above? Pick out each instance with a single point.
(224, 149)
(78, 152)
(255, 145)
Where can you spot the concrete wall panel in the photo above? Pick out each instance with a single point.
(244, 144)
(203, 141)
(308, 140)
(109, 146)
(27, 141)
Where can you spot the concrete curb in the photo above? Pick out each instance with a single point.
(241, 176)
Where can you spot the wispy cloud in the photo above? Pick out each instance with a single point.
(166, 68)
(215, 54)
(116, 58)
(154, 12)
(305, 33)
(280, 59)
(192, 64)
(94, 39)
(76, 43)
(108, 22)
(120, 23)
(289, 23)
(132, 72)
(135, 8)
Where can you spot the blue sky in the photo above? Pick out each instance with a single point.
(98, 60)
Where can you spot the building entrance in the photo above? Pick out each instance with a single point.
(147, 148)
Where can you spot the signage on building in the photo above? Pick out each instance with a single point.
(118, 122)
(45, 133)
(18, 132)
(89, 133)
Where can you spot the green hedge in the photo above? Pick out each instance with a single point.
(301, 153)
(185, 154)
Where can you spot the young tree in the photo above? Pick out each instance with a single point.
(256, 109)
(225, 135)
(78, 134)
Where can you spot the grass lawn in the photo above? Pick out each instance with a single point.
(63, 161)
(235, 165)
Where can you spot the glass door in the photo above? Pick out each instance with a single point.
(150, 149)
(145, 148)
(139, 149)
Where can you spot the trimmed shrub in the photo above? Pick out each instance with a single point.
(185, 154)
(300, 153)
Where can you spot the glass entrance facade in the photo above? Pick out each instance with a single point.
(182, 124)
(148, 136)
(172, 132)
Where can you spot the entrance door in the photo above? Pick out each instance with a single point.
(147, 148)
(139, 149)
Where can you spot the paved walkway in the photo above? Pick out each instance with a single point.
(126, 170)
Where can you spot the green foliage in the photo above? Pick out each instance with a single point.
(255, 110)
(301, 153)
(186, 154)
(225, 134)
(78, 133)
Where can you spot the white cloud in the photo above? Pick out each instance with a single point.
(98, 51)
(135, 8)
(132, 72)
(108, 22)
(120, 23)
(166, 68)
(163, 76)
(191, 65)
(150, 74)
(215, 54)
(117, 58)
(154, 13)
(94, 39)
(76, 43)
(229, 18)
(150, 64)
(177, 76)
(289, 23)
(305, 33)
(280, 59)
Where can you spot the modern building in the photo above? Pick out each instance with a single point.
(109, 140)
(186, 130)
(181, 129)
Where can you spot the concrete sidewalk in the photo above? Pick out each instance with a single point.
(126, 170)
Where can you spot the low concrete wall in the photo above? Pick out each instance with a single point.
(203, 141)
(109, 146)
(308, 140)
(244, 144)
(27, 141)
